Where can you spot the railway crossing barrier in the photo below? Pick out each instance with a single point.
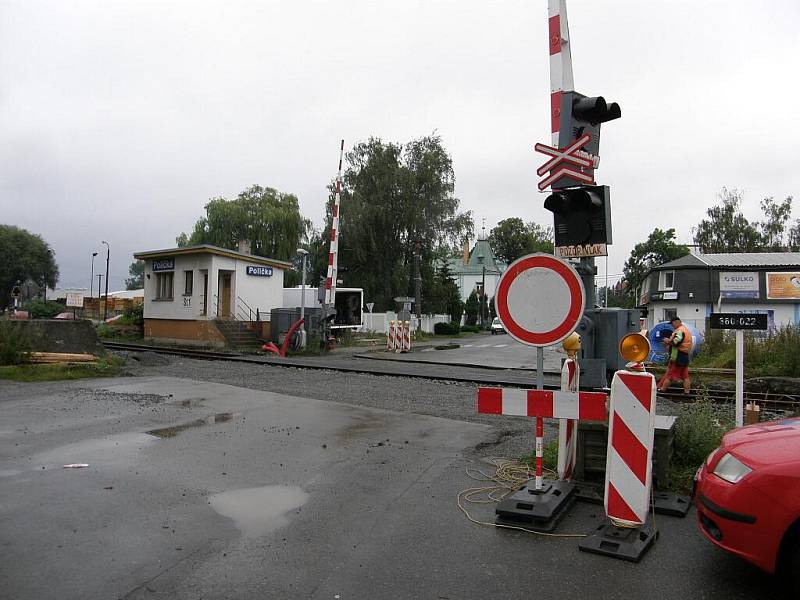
(542, 505)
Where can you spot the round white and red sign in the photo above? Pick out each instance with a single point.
(540, 299)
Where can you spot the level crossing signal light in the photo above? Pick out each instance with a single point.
(584, 116)
(582, 215)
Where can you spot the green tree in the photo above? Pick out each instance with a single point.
(471, 309)
(773, 227)
(136, 279)
(24, 256)
(726, 229)
(492, 309)
(512, 238)
(182, 240)
(659, 248)
(270, 220)
(397, 200)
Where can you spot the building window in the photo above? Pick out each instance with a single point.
(164, 286)
(670, 313)
(188, 282)
(666, 280)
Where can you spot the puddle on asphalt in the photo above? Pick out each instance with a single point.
(168, 432)
(256, 511)
(9, 472)
(105, 450)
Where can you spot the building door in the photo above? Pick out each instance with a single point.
(224, 295)
(205, 292)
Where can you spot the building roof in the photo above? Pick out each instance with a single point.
(480, 256)
(209, 249)
(735, 260)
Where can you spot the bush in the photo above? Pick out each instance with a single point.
(134, 315)
(446, 328)
(14, 344)
(699, 429)
(39, 309)
(470, 329)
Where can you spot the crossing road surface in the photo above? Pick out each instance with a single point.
(495, 351)
(197, 489)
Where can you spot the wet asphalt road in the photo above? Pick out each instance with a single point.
(322, 493)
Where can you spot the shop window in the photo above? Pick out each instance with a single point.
(666, 280)
(188, 282)
(164, 285)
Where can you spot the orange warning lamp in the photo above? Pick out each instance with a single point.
(572, 344)
(634, 347)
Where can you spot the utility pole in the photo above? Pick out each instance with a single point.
(418, 285)
(91, 279)
(99, 283)
(108, 260)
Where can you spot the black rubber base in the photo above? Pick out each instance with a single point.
(624, 543)
(665, 503)
(537, 510)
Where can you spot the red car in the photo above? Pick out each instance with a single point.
(747, 495)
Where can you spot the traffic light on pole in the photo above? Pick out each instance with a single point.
(582, 215)
(582, 115)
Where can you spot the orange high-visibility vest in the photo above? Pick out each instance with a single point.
(686, 343)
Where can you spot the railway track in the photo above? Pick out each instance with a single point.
(766, 400)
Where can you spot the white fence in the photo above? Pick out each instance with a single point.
(380, 321)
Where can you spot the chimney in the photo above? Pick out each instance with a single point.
(466, 252)
(244, 246)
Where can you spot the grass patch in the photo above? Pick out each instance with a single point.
(104, 367)
(549, 457)
(775, 354)
(698, 431)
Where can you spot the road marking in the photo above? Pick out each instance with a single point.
(467, 346)
(500, 346)
(483, 346)
(428, 349)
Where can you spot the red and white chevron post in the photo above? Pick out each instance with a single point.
(541, 404)
(568, 428)
(391, 337)
(406, 337)
(630, 447)
(333, 252)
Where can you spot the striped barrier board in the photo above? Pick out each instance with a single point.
(629, 462)
(584, 406)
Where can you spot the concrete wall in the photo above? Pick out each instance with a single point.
(181, 331)
(53, 335)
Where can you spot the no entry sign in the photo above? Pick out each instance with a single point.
(540, 299)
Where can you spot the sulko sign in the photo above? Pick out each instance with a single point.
(738, 285)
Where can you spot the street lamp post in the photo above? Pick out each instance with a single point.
(99, 283)
(91, 279)
(108, 260)
(303, 252)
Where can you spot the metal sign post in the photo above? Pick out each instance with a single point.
(739, 322)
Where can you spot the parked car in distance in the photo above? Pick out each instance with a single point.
(497, 326)
(747, 494)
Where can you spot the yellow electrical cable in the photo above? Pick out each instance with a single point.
(508, 477)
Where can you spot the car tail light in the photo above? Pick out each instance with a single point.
(731, 469)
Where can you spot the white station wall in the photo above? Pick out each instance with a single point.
(259, 292)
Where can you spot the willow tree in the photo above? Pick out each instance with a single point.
(266, 218)
(397, 201)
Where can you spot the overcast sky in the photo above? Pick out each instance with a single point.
(119, 120)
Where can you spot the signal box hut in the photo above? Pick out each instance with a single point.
(210, 296)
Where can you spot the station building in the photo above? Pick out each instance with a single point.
(476, 266)
(694, 286)
(192, 294)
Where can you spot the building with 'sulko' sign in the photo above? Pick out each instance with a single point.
(694, 286)
(194, 295)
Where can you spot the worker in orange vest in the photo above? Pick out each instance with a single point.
(680, 347)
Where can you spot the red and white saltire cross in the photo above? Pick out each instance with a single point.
(630, 447)
(541, 404)
(568, 428)
(568, 154)
(560, 62)
(333, 251)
